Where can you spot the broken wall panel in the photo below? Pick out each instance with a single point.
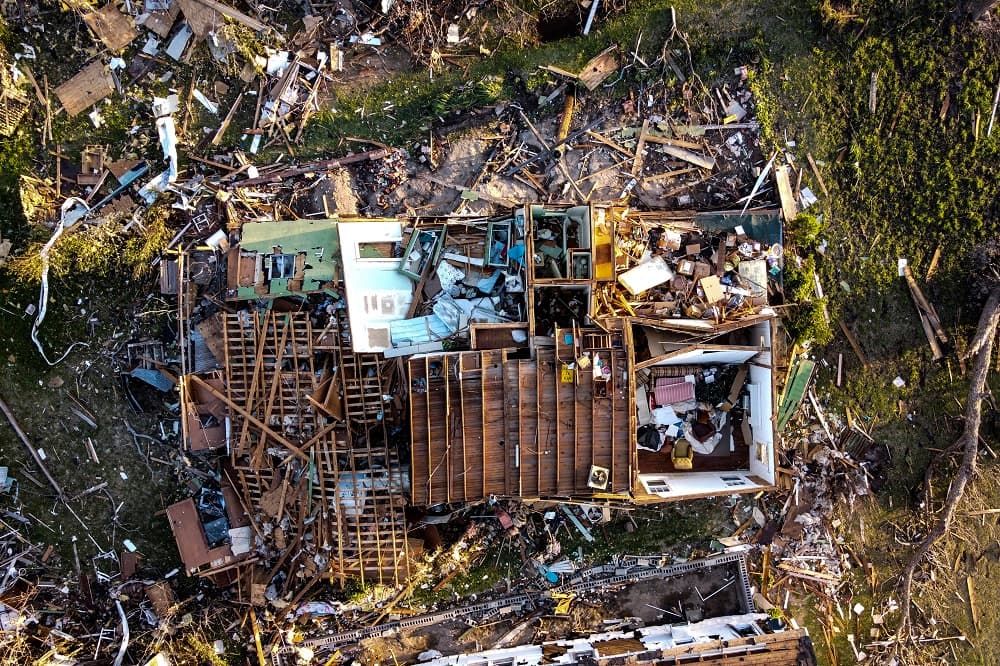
(347, 496)
(112, 27)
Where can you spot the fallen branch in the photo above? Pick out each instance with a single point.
(982, 348)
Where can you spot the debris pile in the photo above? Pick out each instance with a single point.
(349, 384)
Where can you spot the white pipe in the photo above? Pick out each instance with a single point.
(590, 16)
(125, 635)
(43, 297)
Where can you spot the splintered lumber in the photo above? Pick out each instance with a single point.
(819, 177)
(688, 156)
(854, 343)
(278, 176)
(929, 320)
(249, 417)
(783, 181)
(31, 449)
(235, 15)
(256, 637)
(593, 74)
(973, 609)
(217, 139)
(112, 27)
(924, 305)
(932, 268)
(808, 574)
(639, 147)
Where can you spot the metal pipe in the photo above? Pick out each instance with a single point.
(31, 449)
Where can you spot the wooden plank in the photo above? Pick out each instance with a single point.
(816, 173)
(599, 68)
(694, 158)
(788, 207)
(247, 415)
(639, 147)
(237, 16)
(854, 342)
(924, 306)
(932, 268)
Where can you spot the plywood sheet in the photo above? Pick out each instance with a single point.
(85, 89)
(160, 22)
(112, 27)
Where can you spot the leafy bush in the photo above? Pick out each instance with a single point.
(807, 322)
(804, 231)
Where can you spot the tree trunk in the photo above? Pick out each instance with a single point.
(982, 349)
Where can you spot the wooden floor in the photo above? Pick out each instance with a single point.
(659, 462)
(485, 424)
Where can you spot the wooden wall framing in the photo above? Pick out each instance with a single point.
(339, 481)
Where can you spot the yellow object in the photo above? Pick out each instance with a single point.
(682, 455)
(563, 601)
(567, 374)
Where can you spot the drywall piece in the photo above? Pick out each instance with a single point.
(180, 41)
(646, 275)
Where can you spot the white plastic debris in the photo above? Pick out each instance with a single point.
(168, 141)
(212, 107)
(164, 106)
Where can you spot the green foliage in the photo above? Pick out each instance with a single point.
(807, 323)
(96, 251)
(804, 231)
(139, 250)
(15, 155)
(913, 175)
(799, 280)
(403, 108)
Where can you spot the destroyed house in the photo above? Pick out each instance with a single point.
(276, 259)
(734, 639)
(13, 102)
(581, 352)
(639, 371)
(718, 626)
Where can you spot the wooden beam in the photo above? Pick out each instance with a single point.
(924, 306)
(819, 177)
(248, 416)
(31, 449)
(237, 16)
(854, 342)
